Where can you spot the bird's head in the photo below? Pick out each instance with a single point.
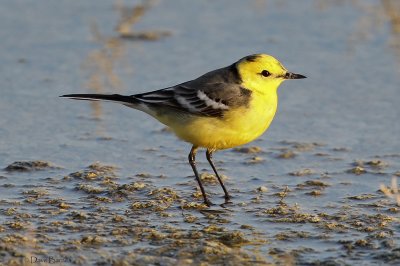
(261, 72)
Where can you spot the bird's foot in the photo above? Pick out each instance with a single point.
(208, 202)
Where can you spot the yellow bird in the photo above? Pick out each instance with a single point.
(224, 108)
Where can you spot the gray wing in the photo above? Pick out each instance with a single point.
(210, 95)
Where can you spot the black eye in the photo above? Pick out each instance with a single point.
(265, 73)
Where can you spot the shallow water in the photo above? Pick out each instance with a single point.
(311, 195)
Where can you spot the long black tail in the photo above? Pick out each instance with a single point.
(105, 97)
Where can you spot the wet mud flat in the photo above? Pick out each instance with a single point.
(330, 211)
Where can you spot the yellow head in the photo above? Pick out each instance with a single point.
(263, 73)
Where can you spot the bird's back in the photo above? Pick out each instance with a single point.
(228, 75)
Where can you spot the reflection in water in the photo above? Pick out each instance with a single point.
(392, 192)
(392, 11)
(101, 63)
(259, 5)
(376, 16)
(131, 15)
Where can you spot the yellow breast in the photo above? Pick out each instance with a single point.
(236, 127)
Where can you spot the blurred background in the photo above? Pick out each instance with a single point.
(348, 49)
(346, 113)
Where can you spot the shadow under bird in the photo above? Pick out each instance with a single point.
(224, 108)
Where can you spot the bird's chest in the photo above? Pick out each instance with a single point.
(250, 122)
(247, 123)
(238, 126)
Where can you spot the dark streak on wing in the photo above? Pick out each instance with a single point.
(221, 85)
(164, 93)
(190, 96)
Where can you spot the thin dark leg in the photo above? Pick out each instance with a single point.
(209, 158)
(192, 161)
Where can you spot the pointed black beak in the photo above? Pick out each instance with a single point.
(290, 75)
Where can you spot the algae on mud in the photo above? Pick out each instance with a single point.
(149, 223)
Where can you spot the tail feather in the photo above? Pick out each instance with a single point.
(130, 101)
(103, 97)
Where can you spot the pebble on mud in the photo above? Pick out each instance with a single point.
(302, 146)
(313, 183)
(302, 172)
(190, 218)
(92, 240)
(377, 163)
(235, 238)
(289, 235)
(211, 178)
(314, 193)
(262, 189)
(362, 197)
(247, 150)
(287, 155)
(27, 166)
(358, 170)
(93, 172)
(254, 160)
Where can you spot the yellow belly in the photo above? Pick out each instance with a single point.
(237, 127)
